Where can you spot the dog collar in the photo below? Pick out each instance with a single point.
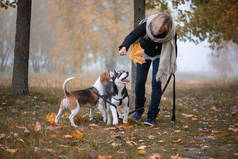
(95, 92)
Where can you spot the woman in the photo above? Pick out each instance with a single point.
(157, 36)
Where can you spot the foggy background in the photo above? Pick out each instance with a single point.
(83, 38)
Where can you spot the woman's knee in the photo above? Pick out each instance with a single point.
(140, 82)
(156, 84)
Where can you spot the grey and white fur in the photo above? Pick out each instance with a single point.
(117, 94)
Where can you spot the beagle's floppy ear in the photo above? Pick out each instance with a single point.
(105, 78)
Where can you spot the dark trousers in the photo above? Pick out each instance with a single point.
(141, 77)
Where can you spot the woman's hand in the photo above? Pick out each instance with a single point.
(123, 51)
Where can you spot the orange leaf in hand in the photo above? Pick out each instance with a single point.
(136, 54)
(137, 50)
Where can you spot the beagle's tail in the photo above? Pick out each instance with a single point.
(64, 85)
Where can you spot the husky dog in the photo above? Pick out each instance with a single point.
(116, 93)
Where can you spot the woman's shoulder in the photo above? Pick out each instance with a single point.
(140, 29)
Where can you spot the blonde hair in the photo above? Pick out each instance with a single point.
(161, 23)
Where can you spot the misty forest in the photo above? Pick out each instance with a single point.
(44, 42)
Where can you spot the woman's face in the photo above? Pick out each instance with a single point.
(162, 30)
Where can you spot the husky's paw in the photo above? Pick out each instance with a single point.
(74, 125)
(120, 117)
(115, 123)
(104, 119)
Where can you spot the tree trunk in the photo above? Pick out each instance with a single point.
(21, 51)
(111, 60)
(139, 14)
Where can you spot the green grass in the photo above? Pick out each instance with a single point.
(206, 137)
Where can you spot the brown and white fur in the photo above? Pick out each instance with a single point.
(86, 97)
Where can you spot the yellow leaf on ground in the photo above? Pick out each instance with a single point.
(216, 132)
(211, 112)
(77, 134)
(158, 133)
(51, 117)
(151, 137)
(85, 117)
(50, 150)
(101, 157)
(20, 127)
(53, 126)
(126, 125)
(93, 125)
(66, 115)
(11, 150)
(68, 136)
(131, 143)
(141, 147)
(66, 146)
(199, 134)
(50, 137)
(142, 152)
(177, 141)
(177, 131)
(18, 101)
(211, 137)
(156, 156)
(78, 117)
(104, 157)
(188, 115)
(110, 128)
(76, 147)
(177, 157)
(225, 134)
(185, 126)
(233, 129)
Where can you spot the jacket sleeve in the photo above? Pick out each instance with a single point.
(138, 32)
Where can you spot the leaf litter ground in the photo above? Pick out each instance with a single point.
(206, 127)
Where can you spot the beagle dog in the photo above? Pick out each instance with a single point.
(86, 97)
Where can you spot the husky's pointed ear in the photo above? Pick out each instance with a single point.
(115, 72)
(112, 74)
